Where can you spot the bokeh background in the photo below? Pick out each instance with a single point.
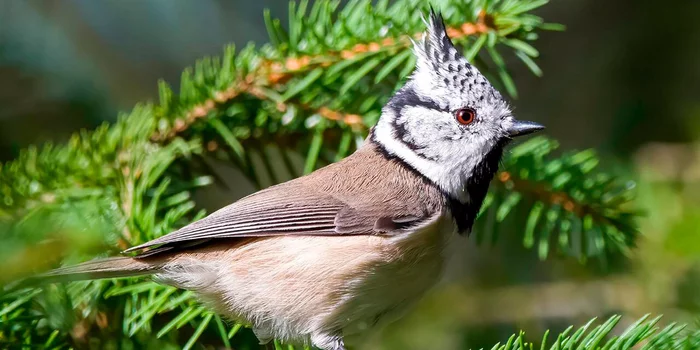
(624, 78)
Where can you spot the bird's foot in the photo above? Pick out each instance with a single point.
(328, 342)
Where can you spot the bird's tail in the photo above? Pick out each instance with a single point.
(90, 270)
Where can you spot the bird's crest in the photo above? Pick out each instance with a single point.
(438, 58)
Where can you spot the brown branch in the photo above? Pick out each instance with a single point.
(272, 73)
(278, 72)
(557, 198)
(353, 120)
(222, 97)
(542, 193)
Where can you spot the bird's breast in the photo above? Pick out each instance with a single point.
(292, 287)
(405, 267)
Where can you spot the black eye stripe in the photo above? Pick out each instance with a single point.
(407, 97)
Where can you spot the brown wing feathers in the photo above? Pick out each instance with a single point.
(364, 194)
(278, 210)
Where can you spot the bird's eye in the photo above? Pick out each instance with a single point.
(465, 116)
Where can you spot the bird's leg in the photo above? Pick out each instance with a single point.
(339, 345)
(265, 338)
(328, 342)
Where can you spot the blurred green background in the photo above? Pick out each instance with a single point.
(624, 78)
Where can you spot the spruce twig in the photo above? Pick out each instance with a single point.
(318, 86)
(270, 73)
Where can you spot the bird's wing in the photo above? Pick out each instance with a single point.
(286, 209)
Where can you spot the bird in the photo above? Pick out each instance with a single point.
(351, 246)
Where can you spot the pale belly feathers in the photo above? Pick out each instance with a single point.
(314, 289)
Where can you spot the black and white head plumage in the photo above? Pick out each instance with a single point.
(418, 124)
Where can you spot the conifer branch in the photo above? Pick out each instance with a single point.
(314, 89)
(270, 73)
(571, 205)
(644, 334)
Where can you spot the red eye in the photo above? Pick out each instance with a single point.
(465, 115)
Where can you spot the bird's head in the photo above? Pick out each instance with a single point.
(448, 122)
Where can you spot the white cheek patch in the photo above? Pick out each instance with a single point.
(454, 160)
(423, 129)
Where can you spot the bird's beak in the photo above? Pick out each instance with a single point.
(520, 128)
